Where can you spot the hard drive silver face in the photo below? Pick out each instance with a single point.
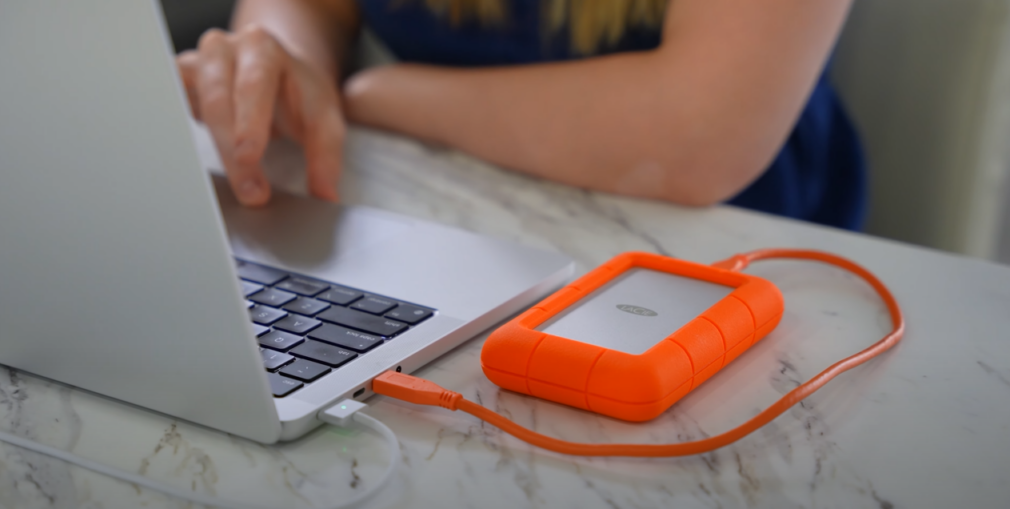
(636, 310)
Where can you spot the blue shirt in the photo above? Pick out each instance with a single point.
(819, 175)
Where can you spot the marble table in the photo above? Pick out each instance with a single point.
(927, 425)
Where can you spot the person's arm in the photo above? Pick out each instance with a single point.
(277, 71)
(694, 121)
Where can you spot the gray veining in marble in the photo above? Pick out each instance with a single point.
(927, 425)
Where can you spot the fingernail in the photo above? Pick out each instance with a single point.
(250, 189)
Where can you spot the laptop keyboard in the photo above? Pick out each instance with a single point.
(307, 328)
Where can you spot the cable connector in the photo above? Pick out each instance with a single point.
(734, 263)
(341, 414)
(414, 390)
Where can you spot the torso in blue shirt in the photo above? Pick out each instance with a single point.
(819, 175)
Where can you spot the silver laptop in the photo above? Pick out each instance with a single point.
(127, 271)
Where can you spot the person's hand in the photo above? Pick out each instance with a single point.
(245, 87)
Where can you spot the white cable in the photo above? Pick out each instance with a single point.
(198, 498)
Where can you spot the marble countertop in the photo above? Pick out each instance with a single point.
(926, 425)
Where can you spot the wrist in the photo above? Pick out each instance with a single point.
(403, 98)
(358, 97)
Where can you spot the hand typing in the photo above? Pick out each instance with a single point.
(246, 87)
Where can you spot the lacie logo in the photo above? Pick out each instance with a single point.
(636, 310)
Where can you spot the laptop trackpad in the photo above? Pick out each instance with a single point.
(302, 232)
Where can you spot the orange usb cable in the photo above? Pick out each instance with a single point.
(423, 392)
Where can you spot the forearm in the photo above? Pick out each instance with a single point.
(592, 124)
(693, 122)
(320, 32)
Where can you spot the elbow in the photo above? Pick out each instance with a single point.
(702, 182)
(697, 196)
(695, 169)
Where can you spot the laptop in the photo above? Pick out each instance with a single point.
(127, 271)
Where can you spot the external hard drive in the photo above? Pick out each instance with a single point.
(633, 336)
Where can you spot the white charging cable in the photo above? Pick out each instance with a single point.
(339, 415)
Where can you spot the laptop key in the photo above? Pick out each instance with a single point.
(259, 274)
(340, 295)
(374, 305)
(273, 359)
(347, 338)
(324, 353)
(409, 313)
(296, 324)
(304, 370)
(281, 386)
(362, 321)
(264, 315)
(306, 306)
(279, 340)
(249, 288)
(273, 297)
(302, 286)
(260, 330)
